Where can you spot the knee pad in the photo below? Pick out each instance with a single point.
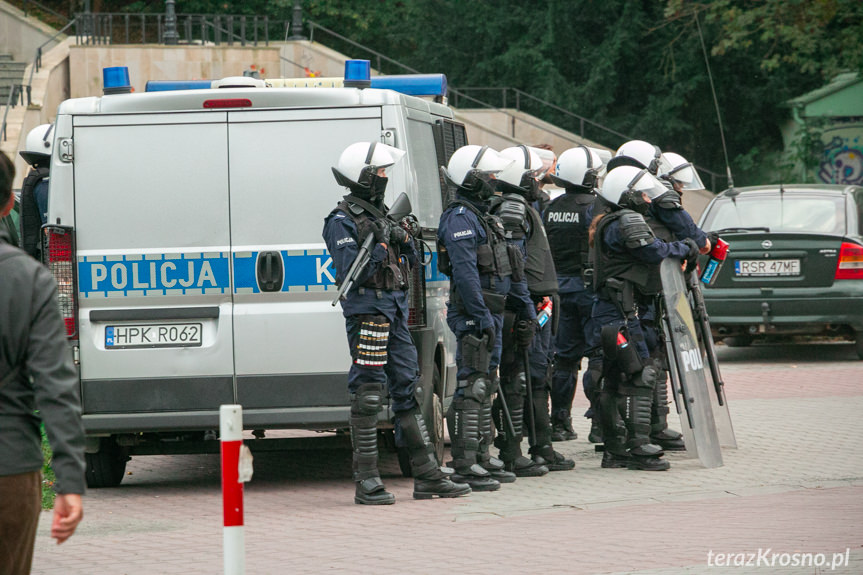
(476, 387)
(367, 400)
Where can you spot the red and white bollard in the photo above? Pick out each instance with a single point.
(236, 469)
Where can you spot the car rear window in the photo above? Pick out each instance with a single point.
(788, 212)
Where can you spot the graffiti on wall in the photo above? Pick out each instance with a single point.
(842, 161)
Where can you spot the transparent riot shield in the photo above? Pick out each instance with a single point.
(691, 390)
(721, 414)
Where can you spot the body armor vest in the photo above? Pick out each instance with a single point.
(31, 219)
(662, 232)
(567, 229)
(394, 272)
(609, 264)
(539, 269)
(492, 257)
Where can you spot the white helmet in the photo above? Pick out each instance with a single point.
(674, 168)
(578, 166)
(471, 166)
(625, 185)
(359, 163)
(38, 145)
(525, 164)
(645, 154)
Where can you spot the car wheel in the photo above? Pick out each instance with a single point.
(106, 467)
(737, 341)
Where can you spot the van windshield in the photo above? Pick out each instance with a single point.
(788, 212)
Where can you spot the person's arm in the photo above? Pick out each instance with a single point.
(342, 239)
(636, 237)
(682, 225)
(461, 238)
(55, 381)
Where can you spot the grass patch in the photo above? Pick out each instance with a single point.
(48, 476)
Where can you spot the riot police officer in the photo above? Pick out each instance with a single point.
(376, 312)
(34, 189)
(472, 250)
(567, 221)
(524, 360)
(668, 221)
(625, 250)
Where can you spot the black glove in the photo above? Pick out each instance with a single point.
(692, 256)
(399, 235)
(381, 229)
(492, 335)
(524, 332)
(713, 237)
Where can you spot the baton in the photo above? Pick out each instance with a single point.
(532, 428)
(505, 409)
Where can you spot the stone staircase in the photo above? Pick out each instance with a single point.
(11, 72)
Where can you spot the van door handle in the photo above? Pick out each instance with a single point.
(270, 271)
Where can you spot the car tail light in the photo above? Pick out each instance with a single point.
(61, 262)
(850, 265)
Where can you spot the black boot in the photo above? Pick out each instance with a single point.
(429, 480)
(365, 405)
(510, 444)
(595, 435)
(613, 430)
(463, 424)
(660, 434)
(645, 456)
(561, 430)
(548, 457)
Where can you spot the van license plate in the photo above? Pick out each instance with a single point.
(766, 268)
(159, 335)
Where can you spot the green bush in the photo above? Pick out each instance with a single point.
(48, 477)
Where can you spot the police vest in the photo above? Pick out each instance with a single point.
(567, 228)
(620, 265)
(31, 219)
(394, 271)
(539, 269)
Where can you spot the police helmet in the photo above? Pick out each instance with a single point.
(359, 164)
(522, 174)
(578, 166)
(637, 153)
(38, 145)
(472, 167)
(623, 187)
(674, 168)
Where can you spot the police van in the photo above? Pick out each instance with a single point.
(184, 230)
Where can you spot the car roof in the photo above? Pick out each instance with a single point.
(831, 189)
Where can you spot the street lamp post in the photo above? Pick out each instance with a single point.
(171, 35)
(297, 22)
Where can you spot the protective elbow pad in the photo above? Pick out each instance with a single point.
(635, 231)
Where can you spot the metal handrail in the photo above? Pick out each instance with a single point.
(42, 7)
(378, 55)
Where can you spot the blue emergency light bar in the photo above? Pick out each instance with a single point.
(171, 85)
(358, 74)
(115, 80)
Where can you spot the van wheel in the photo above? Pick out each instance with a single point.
(858, 344)
(737, 341)
(106, 467)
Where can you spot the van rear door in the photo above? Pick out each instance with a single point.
(152, 234)
(289, 344)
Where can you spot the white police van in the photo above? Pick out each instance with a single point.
(185, 234)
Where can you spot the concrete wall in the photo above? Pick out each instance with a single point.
(49, 88)
(20, 35)
(155, 62)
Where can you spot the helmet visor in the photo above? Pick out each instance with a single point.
(645, 182)
(687, 176)
(382, 156)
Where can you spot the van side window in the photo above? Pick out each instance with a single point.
(423, 157)
(448, 136)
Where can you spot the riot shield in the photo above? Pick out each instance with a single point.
(721, 415)
(690, 388)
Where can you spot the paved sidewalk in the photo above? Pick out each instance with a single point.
(795, 486)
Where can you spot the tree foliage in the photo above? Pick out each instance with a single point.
(635, 66)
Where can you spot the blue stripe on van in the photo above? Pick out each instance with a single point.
(305, 270)
(192, 273)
